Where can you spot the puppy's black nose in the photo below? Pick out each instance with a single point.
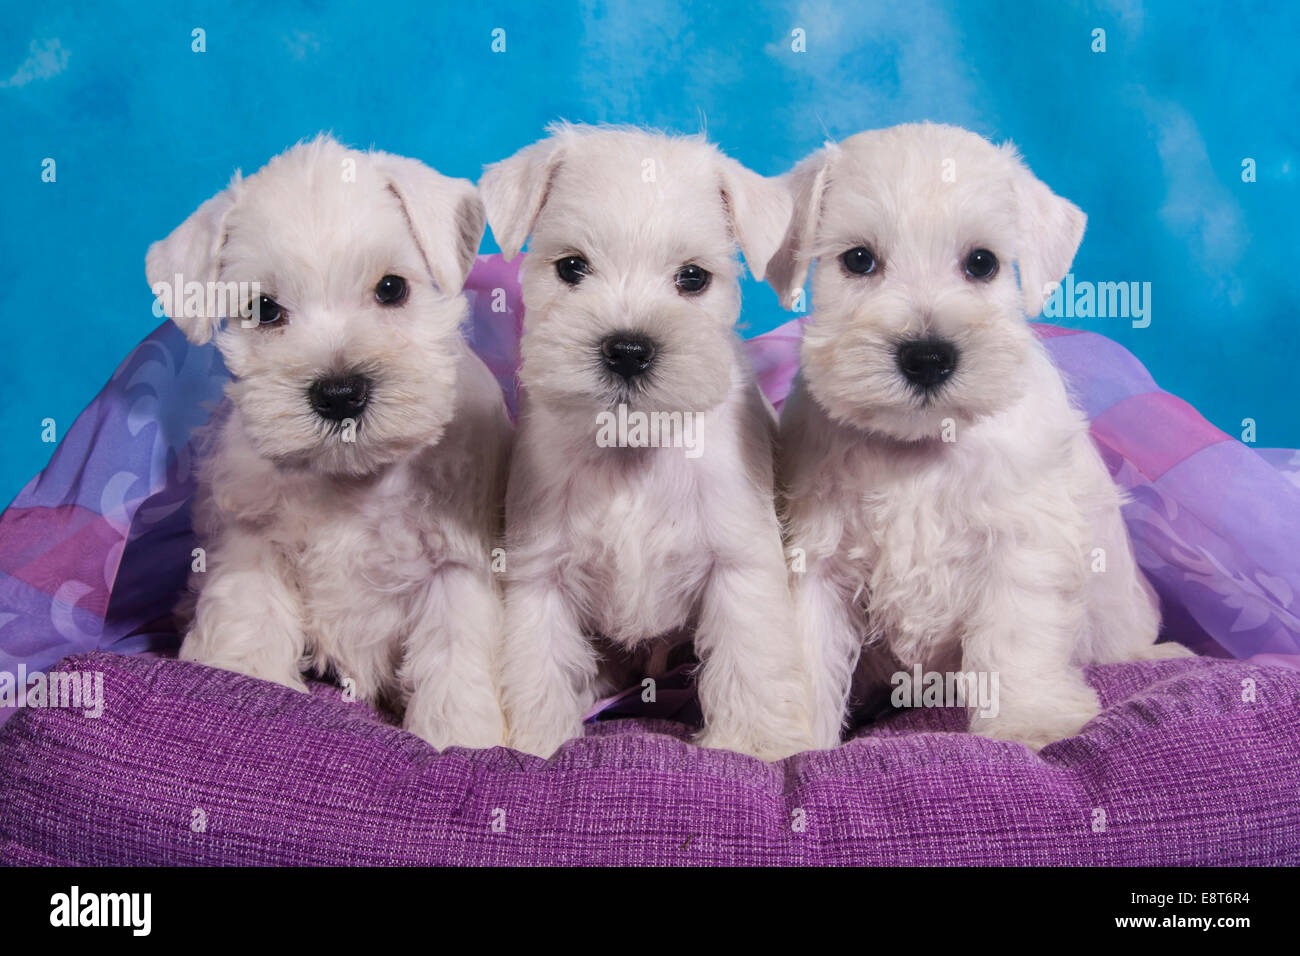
(340, 397)
(927, 362)
(627, 355)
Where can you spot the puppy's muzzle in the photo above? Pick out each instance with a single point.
(927, 363)
(627, 355)
(339, 397)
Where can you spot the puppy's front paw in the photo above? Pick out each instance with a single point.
(765, 749)
(262, 670)
(1064, 716)
(541, 744)
(476, 735)
(1170, 650)
(291, 681)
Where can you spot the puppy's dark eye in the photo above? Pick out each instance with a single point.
(391, 290)
(691, 280)
(981, 264)
(859, 260)
(265, 311)
(572, 269)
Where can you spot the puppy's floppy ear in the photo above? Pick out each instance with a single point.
(436, 206)
(759, 208)
(193, 252)
(806, 184)
(1051, 229)
(514, 191)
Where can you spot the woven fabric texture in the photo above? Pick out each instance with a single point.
(188, 764)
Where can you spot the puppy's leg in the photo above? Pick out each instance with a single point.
(447, 671)
(1126, 618)
(753, 689)
(1123, 607)
(831, 646)
(1169, 650)
(249, 617)
(548, 668)
(1026, 631)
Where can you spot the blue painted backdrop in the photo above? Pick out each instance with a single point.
(1148, 137)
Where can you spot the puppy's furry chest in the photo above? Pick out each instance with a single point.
(387, 543)
(336, 538)
(915, 544)
(640, 559)
(927, 530)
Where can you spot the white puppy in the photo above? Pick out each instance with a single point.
(350, 497)
(945, 495)
(631, 294)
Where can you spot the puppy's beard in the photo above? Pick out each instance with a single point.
(851, 369)
(563, 368)
(401, 416)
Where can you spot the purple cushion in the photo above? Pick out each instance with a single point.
(189, 764)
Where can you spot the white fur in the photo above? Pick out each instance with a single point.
(369, 560)
(975, 554)
(611, 550)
